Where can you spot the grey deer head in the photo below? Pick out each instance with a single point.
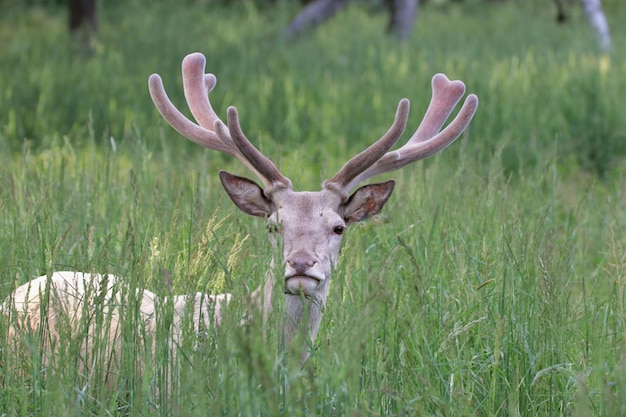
(311, 224)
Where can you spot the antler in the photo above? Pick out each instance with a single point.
(211, 132)
(427, 139)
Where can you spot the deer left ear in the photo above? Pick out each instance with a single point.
(367, 201)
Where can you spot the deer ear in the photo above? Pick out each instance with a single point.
(367, 201)
(246, 195)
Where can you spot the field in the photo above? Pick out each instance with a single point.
(492, 284)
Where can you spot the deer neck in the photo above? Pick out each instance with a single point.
(302, 315)
(302, 321)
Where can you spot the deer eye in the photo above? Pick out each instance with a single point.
(338, 230)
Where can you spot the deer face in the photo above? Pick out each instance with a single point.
(311, 231)
(309, 226)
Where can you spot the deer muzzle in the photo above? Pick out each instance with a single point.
(303, 273)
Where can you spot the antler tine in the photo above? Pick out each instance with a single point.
(373, 153)
(178, 121)
(446, 95)
(197, 85)
(210, 131)
(259, 162)
(428, 139)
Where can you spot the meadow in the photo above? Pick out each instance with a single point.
(492, 284)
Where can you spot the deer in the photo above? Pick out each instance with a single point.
(306, 226)
(56, 312)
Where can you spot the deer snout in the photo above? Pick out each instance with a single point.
(300, 262)
(302, 273)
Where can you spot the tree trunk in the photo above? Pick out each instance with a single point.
(595, 15)
(561, 15)
(82, 15)
(402, 17)
(313, 15)
(82, 23)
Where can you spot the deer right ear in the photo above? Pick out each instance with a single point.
(246, 195)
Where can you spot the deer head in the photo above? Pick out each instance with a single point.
(310, 224)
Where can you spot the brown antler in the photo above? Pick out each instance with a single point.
(427, 139)
(210, 131)
(373, 153)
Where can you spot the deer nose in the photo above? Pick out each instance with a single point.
(300, 262)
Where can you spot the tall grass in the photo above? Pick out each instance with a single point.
(492, 284)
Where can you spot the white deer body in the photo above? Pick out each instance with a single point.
(309, 225)
(73, 295)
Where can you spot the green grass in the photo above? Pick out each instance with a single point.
(491, 285)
